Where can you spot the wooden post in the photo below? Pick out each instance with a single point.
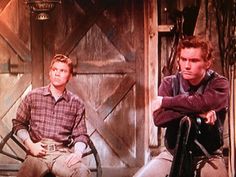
(37, 52)
(151, 65)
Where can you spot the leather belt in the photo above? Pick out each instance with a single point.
(53, 147)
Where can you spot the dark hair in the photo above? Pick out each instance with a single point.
(196, 42)
(64, 59)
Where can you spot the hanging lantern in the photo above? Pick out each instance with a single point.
(42, 7)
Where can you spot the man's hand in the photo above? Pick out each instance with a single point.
(36, 149)
(209, 117)
(156, 103)
(73, 158)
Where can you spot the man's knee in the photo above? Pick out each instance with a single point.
(158, 166)
(33, 167)
(212, 168)
(77, 170)
(81, 171)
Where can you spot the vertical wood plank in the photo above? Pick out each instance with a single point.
(141, 128)
(37, 52)
(151, 53)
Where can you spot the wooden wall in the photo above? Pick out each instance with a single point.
(105, 40)
(15, 63)
(118, 48)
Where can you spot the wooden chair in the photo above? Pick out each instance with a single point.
(15, 167)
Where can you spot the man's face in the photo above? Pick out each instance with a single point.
(192, 65)
(59, 74)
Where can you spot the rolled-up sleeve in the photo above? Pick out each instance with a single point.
(164, 116)
(80, 130)
(215, 97)
(22, 116)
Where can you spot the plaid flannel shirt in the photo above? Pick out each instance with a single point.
(44, 117)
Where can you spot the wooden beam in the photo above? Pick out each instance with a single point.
(20, 68)
(37, 52)
(14, 41)
(115, 98)
(165, 28)
(141, 105)
(97, 121)
(82, 27)
(151, 64)
(11, 96)
(3, 4)
(109, 29)
(120, 43)
(114, 141)
(97, 67)
(4, 68)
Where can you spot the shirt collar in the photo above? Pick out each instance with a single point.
(46, 92)
(187, 86)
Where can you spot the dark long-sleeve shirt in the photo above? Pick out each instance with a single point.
(44, 117)
(214, 97)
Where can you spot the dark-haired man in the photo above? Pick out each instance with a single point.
(198, 93)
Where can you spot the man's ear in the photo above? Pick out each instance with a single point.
(177, 65)
(208, 64)
(70, 77)
(49, 73)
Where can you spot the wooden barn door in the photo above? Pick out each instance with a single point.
(15, 64)
(105, 41)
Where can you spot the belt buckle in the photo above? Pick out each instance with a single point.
(51, 147)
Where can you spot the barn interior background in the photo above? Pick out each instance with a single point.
(121, 50)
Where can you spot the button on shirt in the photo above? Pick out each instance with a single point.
(45, 117)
